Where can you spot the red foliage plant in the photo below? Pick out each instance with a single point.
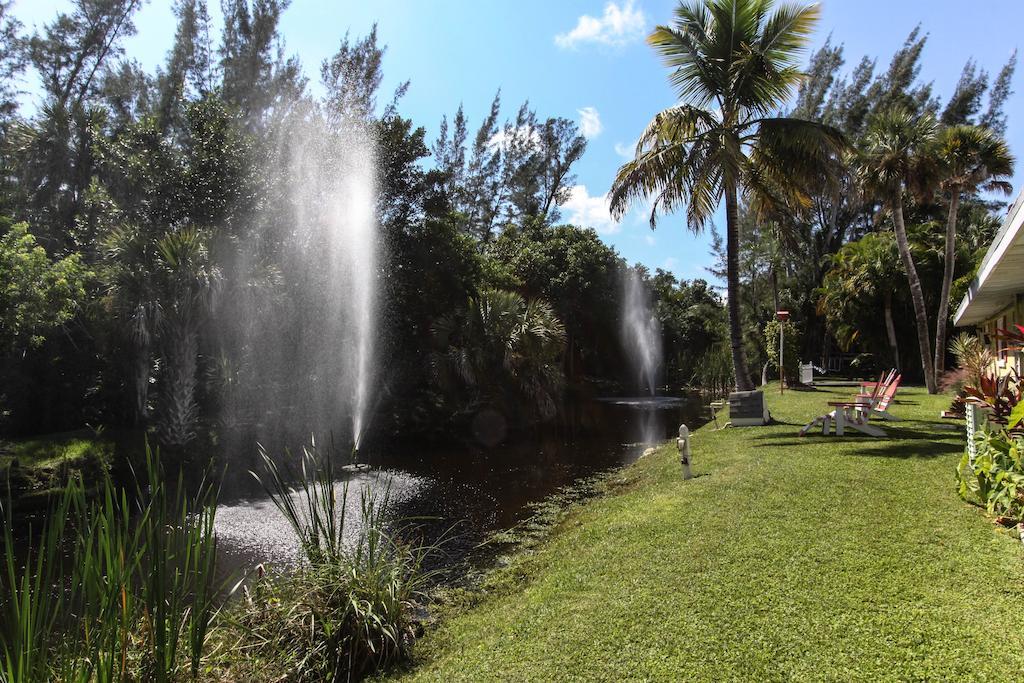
(1001, 396)
(1014, 337)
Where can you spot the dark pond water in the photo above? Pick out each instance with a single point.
(473, 490)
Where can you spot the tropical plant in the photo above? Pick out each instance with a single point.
(733, 64)
(894, 160)
(1001, 396)
(972, 355)
(994, 476)
(131, 256)
(350, 607)
(862, 273)
(502, 345)
(1014, 337)
(790, 339)
(971, 158)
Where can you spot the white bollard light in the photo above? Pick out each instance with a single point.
(683, 443)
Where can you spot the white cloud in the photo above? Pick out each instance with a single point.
(627, 152)
(670, 263)
(650, 240)
(616, 27)
(590, 122)
(590, 212)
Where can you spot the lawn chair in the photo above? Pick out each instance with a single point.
(857, 414)
(879, 407)
(868, 387)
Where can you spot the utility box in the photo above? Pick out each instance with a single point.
(807, 374)
(748, 409)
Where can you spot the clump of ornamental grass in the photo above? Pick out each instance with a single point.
(350, 608)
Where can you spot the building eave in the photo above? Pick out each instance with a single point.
(1001, 275)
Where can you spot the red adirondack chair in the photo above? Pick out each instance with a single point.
(856, 414)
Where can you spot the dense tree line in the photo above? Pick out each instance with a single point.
(945, 161)
(140, 212)
(139, 209)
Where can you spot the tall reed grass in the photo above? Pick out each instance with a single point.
(120, 586)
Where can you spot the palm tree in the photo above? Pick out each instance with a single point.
(734, 63)
(971, 158)
(894, 158)
(502, 343)
(187, 278)
(859, 274)
(132, 295)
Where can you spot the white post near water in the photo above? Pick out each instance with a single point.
(683, 443)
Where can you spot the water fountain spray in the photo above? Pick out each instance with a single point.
(306, 345)
(641, 332)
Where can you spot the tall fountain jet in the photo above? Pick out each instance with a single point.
(306, 332)
(641, 333)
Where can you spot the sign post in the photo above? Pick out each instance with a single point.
(782, 317)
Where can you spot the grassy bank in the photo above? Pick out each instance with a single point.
(787, 557)
(37, 469)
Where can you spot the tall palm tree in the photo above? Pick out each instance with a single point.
(734, 63)
(894, 159)
(131, 255)
(971, 158)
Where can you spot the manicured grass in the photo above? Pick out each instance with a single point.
(787, 558)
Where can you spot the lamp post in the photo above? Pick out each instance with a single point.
(782, 317)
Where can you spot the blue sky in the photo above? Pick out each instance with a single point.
(587, 60)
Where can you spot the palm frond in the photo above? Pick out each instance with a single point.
(895, 139)
(790, 160)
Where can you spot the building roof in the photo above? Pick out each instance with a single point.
(1001, 274)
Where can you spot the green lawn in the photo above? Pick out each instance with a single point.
(808, 558)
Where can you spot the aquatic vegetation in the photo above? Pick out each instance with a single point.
(120, 585)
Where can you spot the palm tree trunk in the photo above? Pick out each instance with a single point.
(775, 287)
(141, 379)
(942, 321)
(890, 330)
(179, 410)
(916, 294)
(732, 248)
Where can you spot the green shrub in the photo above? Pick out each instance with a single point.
(713, 371)
(994, 478)
(791, 345)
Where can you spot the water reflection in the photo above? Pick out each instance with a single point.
(479, 489)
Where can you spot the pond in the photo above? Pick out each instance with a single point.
(465, 492)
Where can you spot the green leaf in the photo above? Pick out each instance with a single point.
(1016, 415)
